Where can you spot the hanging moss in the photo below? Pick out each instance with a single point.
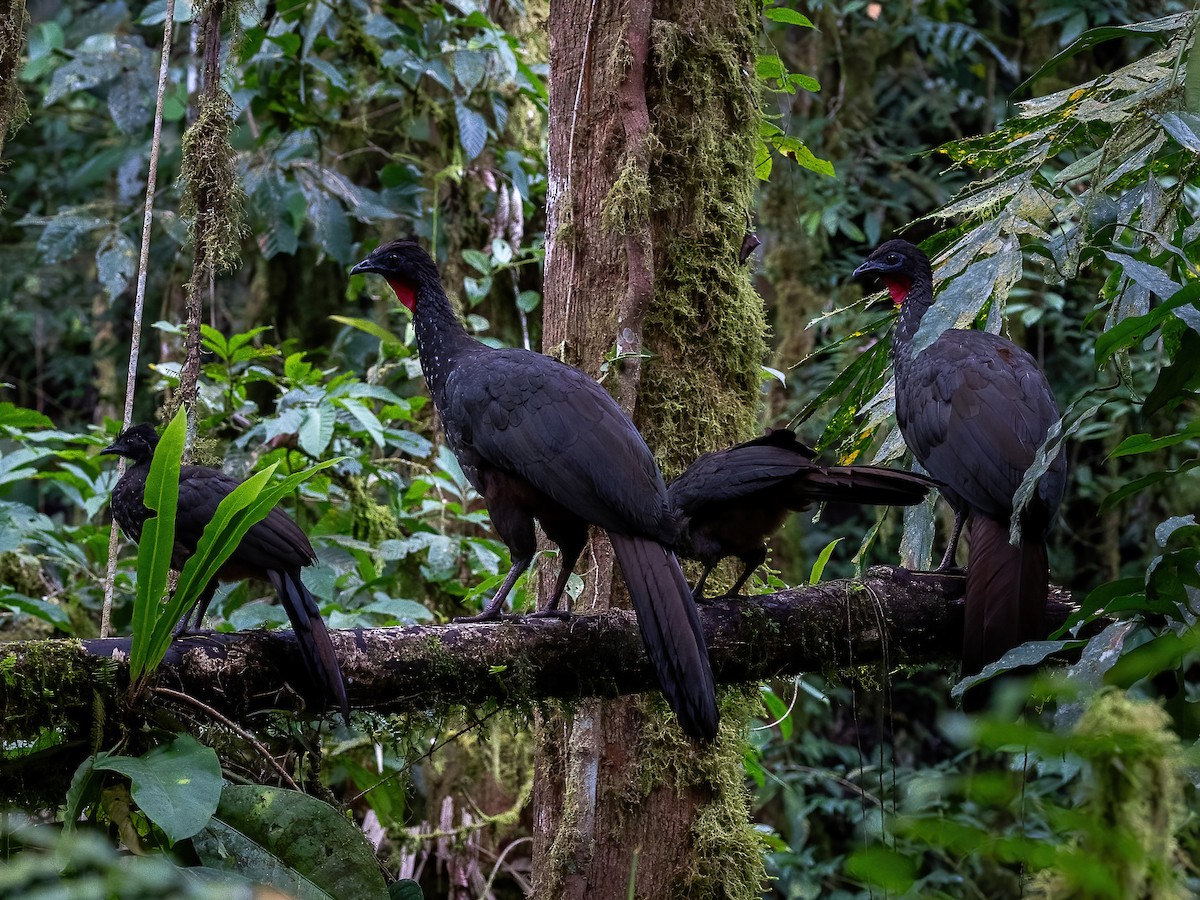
(729, 852)
(1132, 810)
(13, 109)
(213, 198)
(706, 327)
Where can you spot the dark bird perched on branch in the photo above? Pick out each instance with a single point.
(730, 501)
(974, 408)
(274, 550)
(541, 440)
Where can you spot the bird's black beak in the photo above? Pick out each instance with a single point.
(367, 265)
(866, 269)
(116, 448)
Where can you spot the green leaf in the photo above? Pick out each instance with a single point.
(1135, 329)
(21, 419)
(289, 42)
(247, 504)
(1108, 33)
(1143, 443)
(156, 545)
(116, 263)
(405, 889)
(41, 609)
(1140, 484)
(299, 844)
(367, 419)
(882, 867)
(1175, 380)
(1191, 78)
(788, 16)
(818, 568)
(472, 130)
(178, 785)
(372, 328)
(478, 261)
(1163, 652)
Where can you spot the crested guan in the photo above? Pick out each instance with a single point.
(274, 550)
(541, 440)
(974, 408)
(730, 501)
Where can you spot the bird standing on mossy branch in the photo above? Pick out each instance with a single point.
(730, 501)
(274, 550)
(974, 408)
(540, 440)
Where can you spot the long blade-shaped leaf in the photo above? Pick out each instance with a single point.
(248, 504)
(157, 541)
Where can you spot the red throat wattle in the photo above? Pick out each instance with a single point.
(404, 293)
(898, 286)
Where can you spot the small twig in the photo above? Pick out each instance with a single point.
(428, 753)
(139, 301)
(499, 862)
(232, 726)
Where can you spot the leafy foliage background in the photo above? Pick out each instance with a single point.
(1067, 219)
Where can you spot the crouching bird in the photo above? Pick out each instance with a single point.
(274, 550)
(730, 501)
(974, 408)
(540, 440)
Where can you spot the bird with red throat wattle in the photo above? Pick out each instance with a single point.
(541, 441)
(974, 408)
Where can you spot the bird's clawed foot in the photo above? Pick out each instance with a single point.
(902, 574)
(551, 613)
(701, 600)
(487, 616)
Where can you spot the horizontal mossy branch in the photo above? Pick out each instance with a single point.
(889, 616)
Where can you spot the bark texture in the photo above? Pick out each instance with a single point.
(77, 691)
(653, 123)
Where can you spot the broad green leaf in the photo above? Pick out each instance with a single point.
(301, 845)
(41, 609)
(156, 545)
(1140, 484)
(1143, 443)
(178, 785)
(788, 16)
(372, 328)
(248, 503)
(405, 889)
(1135, 329)
(1096, 36)
(818, 568)
(472, 130)
(22, 419)
(883, 867)
(116, 263)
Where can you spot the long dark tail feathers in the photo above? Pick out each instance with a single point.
(313, 637)
(864, 484)
(671, 630)
(1006, 593)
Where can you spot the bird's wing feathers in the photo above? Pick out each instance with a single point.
(980, 409)
(733, 474)
(276, 542)
(550, 424)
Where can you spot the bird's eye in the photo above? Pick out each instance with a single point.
(892, 259)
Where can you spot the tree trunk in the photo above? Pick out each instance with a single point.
(653, 125)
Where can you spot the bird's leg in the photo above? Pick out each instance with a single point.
(199, 608)
(515, 527)
(947, 562)
(570, 546)
(491, 612)
(698, 590)
(751, 562)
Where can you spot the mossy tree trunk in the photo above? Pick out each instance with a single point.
(653, 122)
